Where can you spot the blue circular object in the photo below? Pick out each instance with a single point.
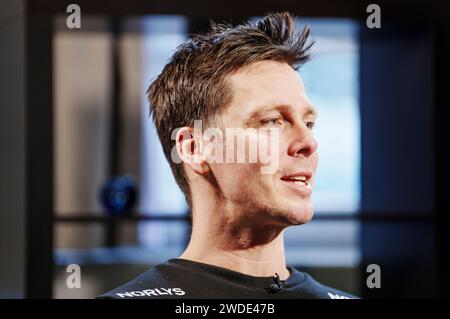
(118, 195)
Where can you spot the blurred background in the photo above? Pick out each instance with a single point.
(84, 179)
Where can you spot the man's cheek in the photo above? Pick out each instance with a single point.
(269, 151)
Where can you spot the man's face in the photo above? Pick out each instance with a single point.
(270, 95)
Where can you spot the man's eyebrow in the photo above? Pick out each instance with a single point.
(282, 108)
(311, 111)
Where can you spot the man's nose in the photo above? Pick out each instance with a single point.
(303, 143)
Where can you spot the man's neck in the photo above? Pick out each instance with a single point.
(252, 249)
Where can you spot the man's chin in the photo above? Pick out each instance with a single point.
(286, 212)
(301, 218)
(296, 216)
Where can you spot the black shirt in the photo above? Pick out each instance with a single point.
(181, 278)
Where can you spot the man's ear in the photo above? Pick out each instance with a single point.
(190, 151)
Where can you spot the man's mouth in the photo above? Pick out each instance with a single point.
(302, 180)
(298, 182)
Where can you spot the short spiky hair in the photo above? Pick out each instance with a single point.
(193, 85)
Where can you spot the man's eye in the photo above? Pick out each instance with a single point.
(309, 125)
(276, 121)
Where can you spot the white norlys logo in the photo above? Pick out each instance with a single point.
(152, 292)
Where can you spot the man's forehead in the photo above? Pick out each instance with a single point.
(274, 79)
(268, 85)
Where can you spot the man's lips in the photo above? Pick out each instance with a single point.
(299, 182)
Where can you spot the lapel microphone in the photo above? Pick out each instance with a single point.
(278, 285)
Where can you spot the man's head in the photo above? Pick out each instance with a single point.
(242, 77)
